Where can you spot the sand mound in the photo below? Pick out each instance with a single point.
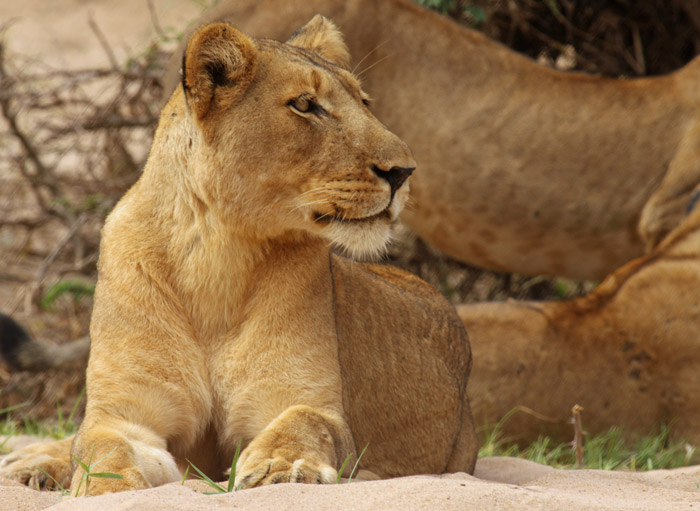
(499, 484)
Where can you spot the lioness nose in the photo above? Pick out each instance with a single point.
(395, 176)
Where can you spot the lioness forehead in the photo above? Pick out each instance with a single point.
(303, 56)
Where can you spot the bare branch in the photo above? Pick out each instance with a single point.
(155, 22)
(28, 223)
(11, 118)
(41, 271)
(103, 42)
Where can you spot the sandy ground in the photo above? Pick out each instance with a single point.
(498, 484)
(58, 31)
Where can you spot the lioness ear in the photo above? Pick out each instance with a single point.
(321, 36)
(217, 67)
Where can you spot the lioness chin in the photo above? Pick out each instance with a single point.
(221, 314)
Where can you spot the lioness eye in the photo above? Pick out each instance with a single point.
(302, 104)
(306, 105)
(366, 102)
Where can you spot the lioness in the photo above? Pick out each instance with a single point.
(221, 315)
(523, 168)
(629, 352)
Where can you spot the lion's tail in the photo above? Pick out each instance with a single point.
(22, 353)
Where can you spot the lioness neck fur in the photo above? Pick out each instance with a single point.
(220, 314)
(523, 168)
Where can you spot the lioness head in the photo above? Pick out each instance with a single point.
(279, 138)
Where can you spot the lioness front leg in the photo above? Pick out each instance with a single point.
(131, 451)
(301, 445)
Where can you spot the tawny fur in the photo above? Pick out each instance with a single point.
(220, 314)
(522, 168)
(629, 352)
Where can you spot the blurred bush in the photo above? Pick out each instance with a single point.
(611, 37)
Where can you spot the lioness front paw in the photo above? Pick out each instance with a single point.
(279, 470)
(36, 468)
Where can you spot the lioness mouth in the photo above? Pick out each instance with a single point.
(327, 219)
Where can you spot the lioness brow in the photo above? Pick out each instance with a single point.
(347, 80)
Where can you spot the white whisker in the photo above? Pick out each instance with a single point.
(320, 201)
(370, 67)
(311, 191)
(368, 54)
(322, 217)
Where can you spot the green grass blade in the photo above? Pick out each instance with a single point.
(106, 475)
(75, 287)
(102, 458)
(82, 465)
(204, 477)
(76, 406)
(60, 415)
(77, 490)
(357, 463)
(342, 468)
(232, 474)
(14, 407)
(58, 485)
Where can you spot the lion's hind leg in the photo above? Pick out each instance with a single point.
(41, 465)
(366, 475)
(466, 449)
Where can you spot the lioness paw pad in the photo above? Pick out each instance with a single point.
(279, 470)
(36, 470)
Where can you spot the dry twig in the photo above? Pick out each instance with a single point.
(577, 443)
(41, 271)
(103, 42)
